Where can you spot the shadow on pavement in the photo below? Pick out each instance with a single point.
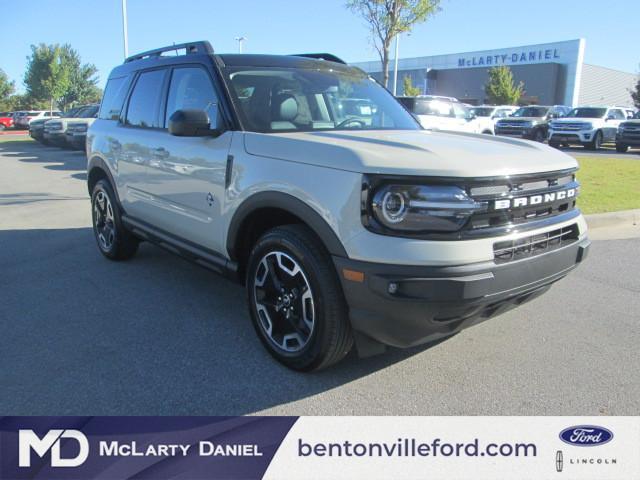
(55, 158)
(155, 335)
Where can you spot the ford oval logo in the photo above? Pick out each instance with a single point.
(586, 435)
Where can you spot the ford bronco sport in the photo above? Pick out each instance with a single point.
(345, 224)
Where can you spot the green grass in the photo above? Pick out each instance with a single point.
(608, 184)
(15, 138)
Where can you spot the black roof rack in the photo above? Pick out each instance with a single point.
(202, 47)
(329, 57)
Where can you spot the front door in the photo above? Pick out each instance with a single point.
(186, 175)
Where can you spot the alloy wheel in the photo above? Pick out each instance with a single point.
(104, 221)
(284, 302)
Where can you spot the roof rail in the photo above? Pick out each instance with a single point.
(329, 57)
(202, 47)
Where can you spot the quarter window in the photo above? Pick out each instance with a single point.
(145, 100)
(191, 88)
(113, 98)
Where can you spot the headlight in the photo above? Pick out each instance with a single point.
(420, 208)
(587, 126)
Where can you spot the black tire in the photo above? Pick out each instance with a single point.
(539, 136)
(114, 241)
(622, 148)
(2, 127)
(554, 144)
(596, 142)
(329, 338)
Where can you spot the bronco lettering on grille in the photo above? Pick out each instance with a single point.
(534, 199)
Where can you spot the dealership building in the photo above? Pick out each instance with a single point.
(552, 73)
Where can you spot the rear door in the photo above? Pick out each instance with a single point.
(186, 175)
(137, 141)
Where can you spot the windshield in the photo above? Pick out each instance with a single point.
(87, 112)
(587, 112)
(530, 112)
(324, 98)
(482, 111)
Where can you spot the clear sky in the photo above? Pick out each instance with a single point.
(94, 28)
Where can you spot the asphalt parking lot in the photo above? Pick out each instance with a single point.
(159, 336)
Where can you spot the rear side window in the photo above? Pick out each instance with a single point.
(191, 88)
(113, 98)
(145, 100)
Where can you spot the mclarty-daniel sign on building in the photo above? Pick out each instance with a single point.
(553, 74)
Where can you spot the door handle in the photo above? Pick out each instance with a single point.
(160, 152)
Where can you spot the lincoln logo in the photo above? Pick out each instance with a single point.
(534, 199)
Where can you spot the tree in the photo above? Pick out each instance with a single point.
(635, 94)
(409, 89)
(7, 89)
(47, 78)
(501, 89)
(82, 86)
(388, 18)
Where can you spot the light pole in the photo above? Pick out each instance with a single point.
(395, 68)
(240, 41)
(124, 28)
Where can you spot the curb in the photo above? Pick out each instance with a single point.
(625, 218)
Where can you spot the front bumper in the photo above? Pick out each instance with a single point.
(76, 140)
(629, 139)
(571, 137)
(429, 303)
(55, 137)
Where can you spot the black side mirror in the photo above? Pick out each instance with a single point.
(192, 123)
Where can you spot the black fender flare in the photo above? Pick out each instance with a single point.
(100, 164)
(290, 204)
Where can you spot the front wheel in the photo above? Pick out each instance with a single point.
(539, 136)
(622, 148)
(596, 142)
(114, 241)
(296, 303)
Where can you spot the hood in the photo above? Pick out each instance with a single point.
(411, 152)
(635, 122)
(577, 119)
(521, 119)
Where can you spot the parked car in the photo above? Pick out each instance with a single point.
(628, 134)
(76, 132)
(36, 127)
(531, 122)
(441, 113)
(6, 120)
(343, 228)
(23, 119)
(488, 115)
(55, 131)
(589, 126)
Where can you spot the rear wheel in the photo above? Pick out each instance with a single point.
(114, 241)
(621, 148)
(295, 299)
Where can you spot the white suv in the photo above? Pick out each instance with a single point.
(305, 180)
(441, 113)
(590, 126)
(488, 115)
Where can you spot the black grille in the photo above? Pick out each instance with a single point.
(510, 250)
(515, 188)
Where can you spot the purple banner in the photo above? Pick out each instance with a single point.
(139, 447)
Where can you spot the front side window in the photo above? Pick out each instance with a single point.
(145, 100)
(326, 97)
(191, 88)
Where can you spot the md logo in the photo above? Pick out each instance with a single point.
(28, 440)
